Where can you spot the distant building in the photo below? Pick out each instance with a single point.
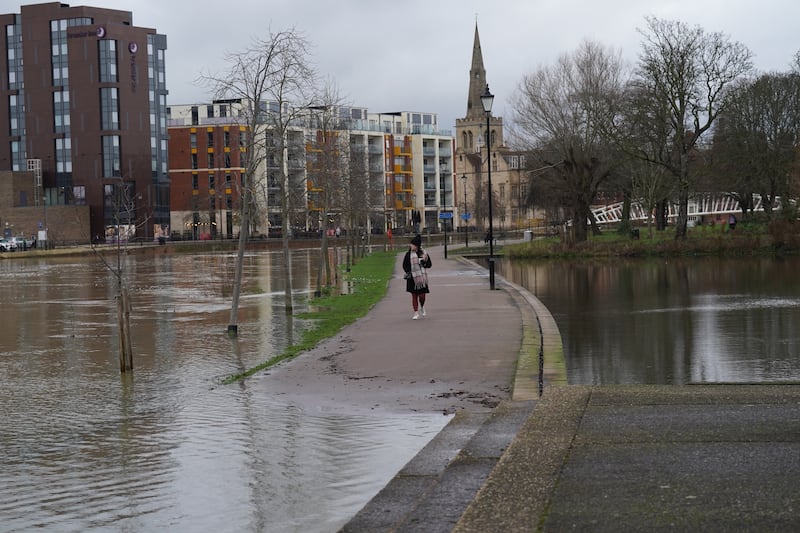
(509, 168)
(407, 160)
(84, 94)
(205, 169)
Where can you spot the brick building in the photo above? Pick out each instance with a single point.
(84, 93)
(68, 224)
(205, 171)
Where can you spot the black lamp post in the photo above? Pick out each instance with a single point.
(464, 217)
(444, 220)
(487, 99)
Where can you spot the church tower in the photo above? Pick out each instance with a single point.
(471, 153)
(471, 128)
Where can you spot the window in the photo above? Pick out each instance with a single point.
(210, 160)
(16, 113)
(210, 111)
(107, 50)
(111, 156)
(227, 138)
(194, 182)
(210, 139)
(193, 140)
(109, 108)
(79, 194)
(211, 182)
(17, 156)
(195, 118)
(61, 111)
(63, 155)
(194, 161)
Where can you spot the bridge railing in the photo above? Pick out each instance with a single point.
(705, 204)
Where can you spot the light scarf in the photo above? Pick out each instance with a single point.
(418, 273)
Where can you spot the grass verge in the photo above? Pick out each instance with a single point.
(747, 240)
(370, 280)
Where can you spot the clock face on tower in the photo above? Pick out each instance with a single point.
(133, 47)
(100, 32)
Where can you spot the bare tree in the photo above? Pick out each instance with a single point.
(358, 199)
(755, 145)
(273, 81)
(650, 185)
(686, 71)
(121, 199)
(327, 168)
(563, 110)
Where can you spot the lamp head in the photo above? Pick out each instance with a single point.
(487, 98)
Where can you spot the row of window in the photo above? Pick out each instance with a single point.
(210, 139)
(212, 182)
(211, 159)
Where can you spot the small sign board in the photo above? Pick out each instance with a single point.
(466, 216)
(445, 215)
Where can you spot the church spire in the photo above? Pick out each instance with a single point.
(477, 80)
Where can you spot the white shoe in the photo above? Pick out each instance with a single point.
(415, 317)
(423, 311)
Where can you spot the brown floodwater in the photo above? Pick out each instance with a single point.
(169, 448)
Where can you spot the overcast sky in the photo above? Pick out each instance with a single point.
(415, 55)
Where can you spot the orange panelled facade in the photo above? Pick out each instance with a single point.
(400, 174)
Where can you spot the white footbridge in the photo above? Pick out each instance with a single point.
(709, 204)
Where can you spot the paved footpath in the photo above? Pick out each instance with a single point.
(461, 356)
(581, 458)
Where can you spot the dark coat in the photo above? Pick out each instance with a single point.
(407, 269)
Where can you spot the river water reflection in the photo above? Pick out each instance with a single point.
(83, 449)
(671, 321)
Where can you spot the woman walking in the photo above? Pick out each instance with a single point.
(415, 263)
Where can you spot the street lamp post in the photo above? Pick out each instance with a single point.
(487, 99)
(444, 221)
(465, 216)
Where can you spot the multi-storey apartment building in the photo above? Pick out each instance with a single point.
(205, 166)
(84, 106)
(406, 160)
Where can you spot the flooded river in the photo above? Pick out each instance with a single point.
(676, 321)
(169, 448)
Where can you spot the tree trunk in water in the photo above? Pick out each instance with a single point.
(233, 324)
(324, 265)
(124, 323)
(287, 273)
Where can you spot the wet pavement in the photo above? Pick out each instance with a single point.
(597, 458)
